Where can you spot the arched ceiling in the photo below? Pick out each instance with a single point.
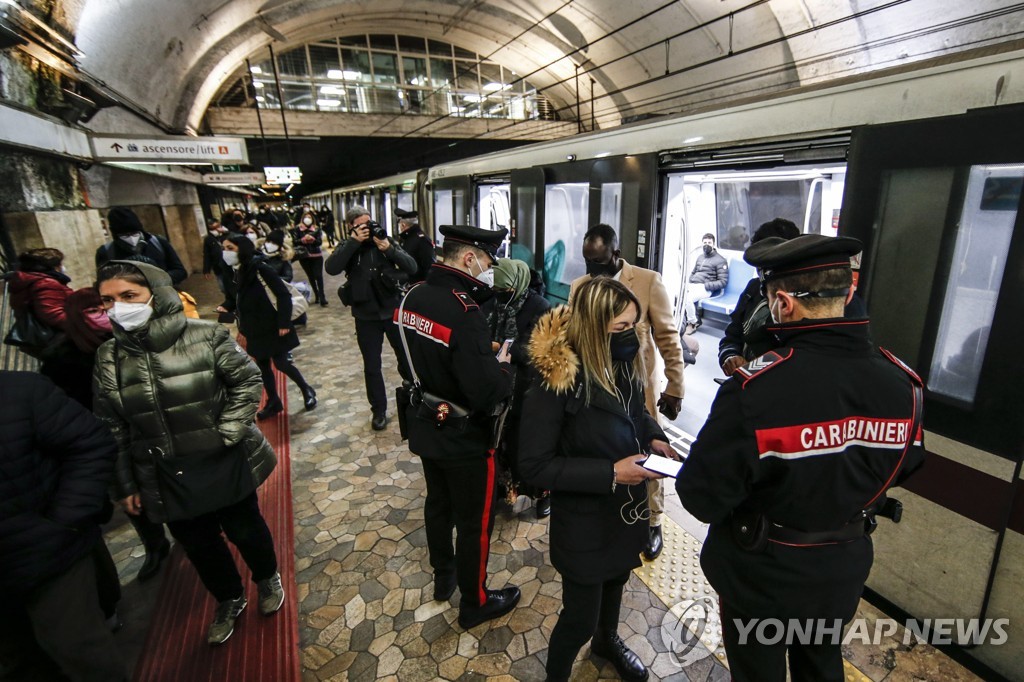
(644, 56)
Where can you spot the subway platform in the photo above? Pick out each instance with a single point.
(362, 581)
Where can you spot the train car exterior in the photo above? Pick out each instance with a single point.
(926, 167)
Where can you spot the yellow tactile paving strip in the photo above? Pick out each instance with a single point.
(676, 577)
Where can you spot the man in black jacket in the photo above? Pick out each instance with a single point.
(371, 263)
(710, 275)
(56, 462)
(794, 462)
(415, 243)
(450, 345)
(131, 242)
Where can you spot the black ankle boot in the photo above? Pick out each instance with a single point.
(271, 409)
(308, 398)
(154, 557)
(611, 647)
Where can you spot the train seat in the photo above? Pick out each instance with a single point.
(740, 272)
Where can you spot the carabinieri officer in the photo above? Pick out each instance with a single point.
(794, 463)
(450, 347)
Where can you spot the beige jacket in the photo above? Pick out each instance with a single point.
(657, 323)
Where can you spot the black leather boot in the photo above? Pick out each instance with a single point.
(154, 557)
(614, 650)
(271, 409)
(654, 545)
(308, 398)
(499, 602)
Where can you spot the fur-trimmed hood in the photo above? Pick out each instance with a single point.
(550, 352)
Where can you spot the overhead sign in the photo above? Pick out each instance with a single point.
(283, 175)
(234, 178)
(169, 149)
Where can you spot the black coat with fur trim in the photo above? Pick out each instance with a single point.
(570, 447)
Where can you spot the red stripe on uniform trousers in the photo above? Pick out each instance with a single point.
(485, 536)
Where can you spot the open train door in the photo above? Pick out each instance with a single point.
(938, 206)
(527, 215)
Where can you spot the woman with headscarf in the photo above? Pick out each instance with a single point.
(179, 395)
(267, 326)
(308, 239)
(514, 314)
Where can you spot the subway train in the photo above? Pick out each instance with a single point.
(925, 166)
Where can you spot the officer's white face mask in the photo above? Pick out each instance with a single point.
(485, 276)
(131, 316)
(131, 239)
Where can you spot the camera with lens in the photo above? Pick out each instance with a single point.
(376, 230)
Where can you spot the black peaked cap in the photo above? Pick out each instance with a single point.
(403, 214)
(485, 240)
(776, 257)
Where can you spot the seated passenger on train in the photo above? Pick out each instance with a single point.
(709, 276)
(584, 428)
(179, 396)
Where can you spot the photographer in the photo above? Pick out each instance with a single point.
(375, 268)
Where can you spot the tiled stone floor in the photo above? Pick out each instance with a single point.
(364, 581)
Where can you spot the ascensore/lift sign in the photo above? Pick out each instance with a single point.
(192, 151)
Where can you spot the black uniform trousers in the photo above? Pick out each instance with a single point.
(460, 496)
(68, 625)
(243, 523)
(370, 336)
(586, 610)
(755, 662)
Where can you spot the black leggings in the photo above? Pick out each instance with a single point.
(586, 610)
(314, 269)
(284, 366)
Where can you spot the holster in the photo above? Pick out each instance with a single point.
(750, 531)
(441, 412)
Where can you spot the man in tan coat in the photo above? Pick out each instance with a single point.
(657, 324)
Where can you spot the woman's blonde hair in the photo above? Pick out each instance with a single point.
(594, 305)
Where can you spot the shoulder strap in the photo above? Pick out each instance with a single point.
(155, 241)
(405, 343)
(915, 427)
(271, 296)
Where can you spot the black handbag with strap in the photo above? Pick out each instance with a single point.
(33, 337)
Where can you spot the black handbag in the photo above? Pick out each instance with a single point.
(345, 294)
(191, 486)
(33, 337)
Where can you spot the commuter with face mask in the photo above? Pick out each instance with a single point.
(197, 465)
(585, 431)
(132, 242)
(307, 240)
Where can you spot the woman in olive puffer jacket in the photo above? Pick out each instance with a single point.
(179, 396)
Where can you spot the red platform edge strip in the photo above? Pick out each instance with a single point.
(263, 648)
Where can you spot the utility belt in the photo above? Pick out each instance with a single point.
(753, 531)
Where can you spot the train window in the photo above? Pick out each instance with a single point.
(443, 214)
(611, 204)
(566, 211)
(404, 201)
(979, 259)
(912, 208)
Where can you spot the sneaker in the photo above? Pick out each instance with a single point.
(224, 618)
(271, 594)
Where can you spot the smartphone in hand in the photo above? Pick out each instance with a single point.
(505, 350)
(662, 465)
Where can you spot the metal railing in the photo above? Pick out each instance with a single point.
(12, 358)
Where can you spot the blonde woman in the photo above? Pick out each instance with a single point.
(585, 432)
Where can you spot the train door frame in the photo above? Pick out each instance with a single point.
(526, 204)
(637, 174)
(973, 470)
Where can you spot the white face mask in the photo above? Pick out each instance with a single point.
(251, 237)
(776, 318)
(230, 257)
(485, 276)
(131, 239)
(131, 316)
(270, 247)
(307, 221)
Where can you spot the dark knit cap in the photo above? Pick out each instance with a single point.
(122, 220)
